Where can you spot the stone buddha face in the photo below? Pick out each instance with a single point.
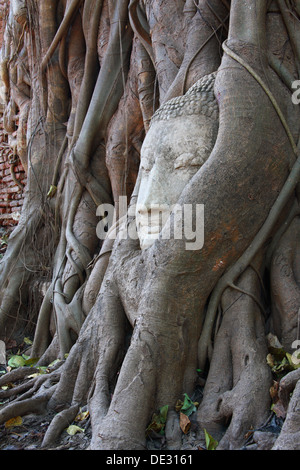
(179, 141)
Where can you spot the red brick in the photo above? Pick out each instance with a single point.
(13, 189)
(13, 204)
(7, 178)
(4, 165)
(8, 222)
(19, 168)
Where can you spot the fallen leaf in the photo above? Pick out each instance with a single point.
(178, 405)
(248, 434)
(158, 421)
(279, 410)
(184, 423)
(73, 429)
(27, 341)
(293, 361)
(274, 391)
(14, 422)
(187, 406)
(8, 386)
(82, 415)
(211, 443)
(53, 363)
(30, 361)
(16, 361)
(270, 360)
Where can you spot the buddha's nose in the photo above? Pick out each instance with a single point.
(153, 192)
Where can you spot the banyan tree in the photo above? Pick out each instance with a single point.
(183, 117)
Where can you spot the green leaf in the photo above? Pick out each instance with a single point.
(31, 361)
(53, 363)
(158, 421)
(27, 341)
(16, 361)
(211, 443)
(163, 412)
(188, 406)
(21, 361)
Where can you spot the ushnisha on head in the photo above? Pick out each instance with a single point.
(180, 139)
(199, 99)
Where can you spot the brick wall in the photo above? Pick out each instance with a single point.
(4, 6)
(12, 182)
(11, 193)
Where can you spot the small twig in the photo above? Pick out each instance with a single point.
(207, 22)
(249, 294)
(225, 2)
(217, 16)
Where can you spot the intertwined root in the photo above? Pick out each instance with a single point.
(236, 395)
(33, 394)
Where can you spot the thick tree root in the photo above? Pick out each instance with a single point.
(60, 421)
(236, 394)
(36, 405)
(22, 406)
(17, 374)
(30, 394)
(289, 438)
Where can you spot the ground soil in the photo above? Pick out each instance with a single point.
(29, 435)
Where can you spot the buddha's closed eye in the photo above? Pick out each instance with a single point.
(186, 160)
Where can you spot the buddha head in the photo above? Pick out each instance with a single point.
(179, 141)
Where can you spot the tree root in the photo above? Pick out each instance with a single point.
(289, 438)
(58, 424)
(284, 286)
(35, 405)
(62, 30)
(286, 386)
(236, 394)
(34, 399)
(33, 394)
